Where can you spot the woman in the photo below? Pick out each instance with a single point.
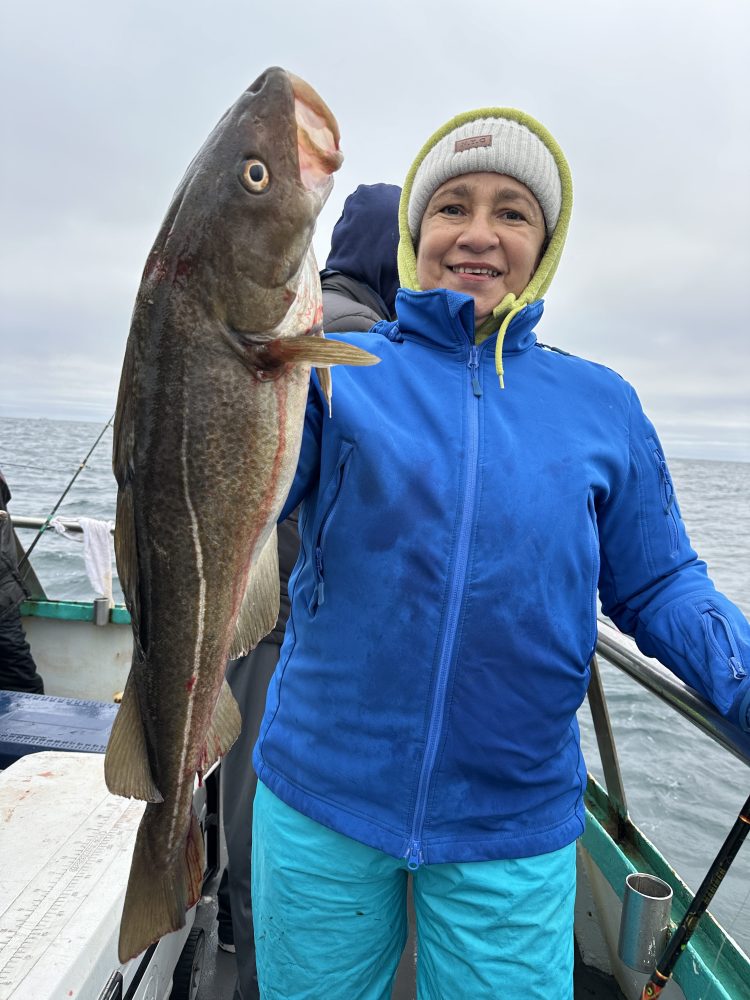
(454, 531)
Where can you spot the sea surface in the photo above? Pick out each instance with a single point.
(682, 790)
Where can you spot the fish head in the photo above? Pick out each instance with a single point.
(241, 223)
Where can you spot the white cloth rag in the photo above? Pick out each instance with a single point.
(97, 552)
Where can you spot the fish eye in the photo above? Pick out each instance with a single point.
(255, 176)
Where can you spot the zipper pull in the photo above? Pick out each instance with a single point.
(737, 669)
(414, 856)
(668, 488)
(320, 588)
(666, 481)
(474, 370)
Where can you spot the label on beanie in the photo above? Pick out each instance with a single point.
(477, 140)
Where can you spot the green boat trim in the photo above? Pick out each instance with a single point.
(73, 611)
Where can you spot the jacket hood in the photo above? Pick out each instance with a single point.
(365, 239)
(511, 304)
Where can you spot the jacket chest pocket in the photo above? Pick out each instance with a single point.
(330, 502)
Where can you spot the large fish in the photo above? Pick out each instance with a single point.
(209, 418)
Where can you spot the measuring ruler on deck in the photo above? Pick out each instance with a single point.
(66, 845)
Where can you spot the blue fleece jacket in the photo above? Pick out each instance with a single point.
(444, 603)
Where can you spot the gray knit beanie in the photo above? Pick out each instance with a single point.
(498, 145)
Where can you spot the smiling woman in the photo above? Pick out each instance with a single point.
(505, 185)
(443, 609)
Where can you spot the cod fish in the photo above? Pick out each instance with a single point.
(225, 328)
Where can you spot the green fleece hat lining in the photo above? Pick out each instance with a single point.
(511, 305)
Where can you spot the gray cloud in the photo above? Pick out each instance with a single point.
(106, 104)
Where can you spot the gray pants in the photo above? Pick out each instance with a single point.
(248, 678)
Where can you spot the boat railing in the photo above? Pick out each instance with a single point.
(69, 523)
(621, 652)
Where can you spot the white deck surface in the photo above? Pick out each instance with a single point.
(66, 844)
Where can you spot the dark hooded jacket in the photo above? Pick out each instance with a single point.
(17, 668)
(360, 279)
(11, 589)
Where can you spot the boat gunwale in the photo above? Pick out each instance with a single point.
(81, 611)
(716, 958)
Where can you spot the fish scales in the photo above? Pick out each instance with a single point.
(207, 433)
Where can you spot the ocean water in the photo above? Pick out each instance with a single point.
(682, 789)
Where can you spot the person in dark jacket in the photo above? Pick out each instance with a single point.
(359, 289)
(17, 668)
(460, 508)
(360, 279)
(248, 677)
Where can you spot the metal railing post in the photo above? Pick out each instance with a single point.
(607, 750)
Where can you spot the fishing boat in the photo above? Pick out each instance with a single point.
(83, 648)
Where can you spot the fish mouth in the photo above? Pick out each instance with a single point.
(317, 137)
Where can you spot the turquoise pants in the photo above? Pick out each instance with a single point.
(330, 918)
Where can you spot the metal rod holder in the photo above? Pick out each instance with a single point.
(101, 611)
(644, 923)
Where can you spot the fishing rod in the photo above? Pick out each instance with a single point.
(678, 942)
(65, 492)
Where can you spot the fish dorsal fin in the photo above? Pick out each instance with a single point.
(123, 461)
(260, 605)
(126, 765)
(126, 552)
(226, 723)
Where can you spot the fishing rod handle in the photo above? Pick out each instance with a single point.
(700, 903)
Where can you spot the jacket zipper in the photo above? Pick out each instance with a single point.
(319, 595)
(414, 853)
(711, 616)
(667, 495)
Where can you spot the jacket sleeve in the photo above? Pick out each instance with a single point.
(655, 588)
(308, 465)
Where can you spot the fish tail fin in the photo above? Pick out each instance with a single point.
(156, 900)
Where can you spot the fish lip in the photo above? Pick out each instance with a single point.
(317, 129)
(309, 96)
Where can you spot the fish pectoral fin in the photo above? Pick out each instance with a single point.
(127, 770)
(260, 605)
(319, 352)
(224, 729)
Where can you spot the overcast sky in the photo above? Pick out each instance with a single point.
(105, 103)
